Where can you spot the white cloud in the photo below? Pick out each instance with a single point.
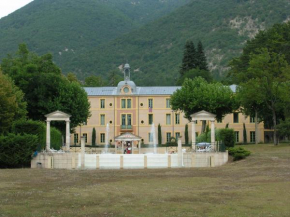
(9, 6)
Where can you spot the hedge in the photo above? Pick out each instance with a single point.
(16, 150)
(38, 128)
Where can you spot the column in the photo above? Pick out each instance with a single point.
(212, 136)
(115, 147)
(193, 135)
(122, 147)
(132, 145)
(179, 152)
(67, 135)
(47, 135)
(82, 152)
(139, 146)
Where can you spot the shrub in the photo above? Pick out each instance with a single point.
(239, 153)
(38, 128)
(16, 150)
(227, 136)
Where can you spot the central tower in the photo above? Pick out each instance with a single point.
(127, 72)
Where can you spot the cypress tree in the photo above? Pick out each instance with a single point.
(94, 137)
(186, 134)
(200, 57)
(244, 134)
(159, 135)
(189, 58)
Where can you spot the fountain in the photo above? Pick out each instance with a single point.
(153, 136)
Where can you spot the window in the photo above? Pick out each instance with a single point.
(252, 136)
(168, 136)
(126, 120)
(150, 103)
(102, 138)
(177, 135)
(252, 119)
(177, 118)
(123, 103)
(76, 138)
(237, 136)
(167, 103)
(236, 117)
(150, 137)
(168, 119)
(102, 103)
(126, 103)
(150, 119)
(102, 120)
(86, 137)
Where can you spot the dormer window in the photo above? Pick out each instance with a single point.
(126, 90)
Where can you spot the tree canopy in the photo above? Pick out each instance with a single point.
(197, 94)
(12, 105)
(45, 88)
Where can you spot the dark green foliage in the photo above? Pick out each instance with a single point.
(284, 128)
(227, 125)
(46, 90)
(94, 137)
(186, 134)
(114, 77)
(94, 81)
(227, 137)
(238, 153)
(16, 150)
(38, 129)
(193, 73)
(159, 135)
(244, 134)
(201, 62)
(189, 58)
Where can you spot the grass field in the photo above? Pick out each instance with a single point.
(257, 186)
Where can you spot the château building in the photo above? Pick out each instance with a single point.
(129, 108)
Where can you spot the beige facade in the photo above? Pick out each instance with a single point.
(138, 117)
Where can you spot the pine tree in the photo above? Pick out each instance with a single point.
(159, 135)
(200, 57)
(186, 134)
(189, 58)
(94, 137)
(245, 134)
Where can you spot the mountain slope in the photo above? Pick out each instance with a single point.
(155, 50)
(66, 28)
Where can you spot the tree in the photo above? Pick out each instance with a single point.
(159, 135)
(186, 134)
(94, 137)
(45, 89)
(72, 77)
(196, 95)
(12, 104)
(267, 76)
(114, 78)
(201, 58)
(94, 81)
(193, 73)
(189, 58)
(244, 134)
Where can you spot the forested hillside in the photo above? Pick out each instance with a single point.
(155, 50)
(96, 36)
(66, 28)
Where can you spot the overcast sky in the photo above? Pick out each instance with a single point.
(9, 6)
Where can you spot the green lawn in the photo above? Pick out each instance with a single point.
(257, 186)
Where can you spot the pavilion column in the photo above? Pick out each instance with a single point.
(213, 136)
(132, 145)
(67, 136)
(122, 147)
(47, 135)
(193, 136)
(115, 147)
(139, 146)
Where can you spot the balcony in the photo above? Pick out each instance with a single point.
(126, 128)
